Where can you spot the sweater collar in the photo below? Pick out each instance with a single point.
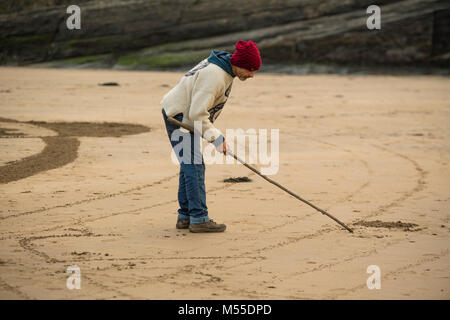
(222, 59)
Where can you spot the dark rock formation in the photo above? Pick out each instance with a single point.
(155, 34)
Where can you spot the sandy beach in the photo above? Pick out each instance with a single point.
(370, 150)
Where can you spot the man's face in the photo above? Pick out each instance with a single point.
(243, 74)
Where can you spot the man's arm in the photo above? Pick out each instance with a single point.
(203, 96)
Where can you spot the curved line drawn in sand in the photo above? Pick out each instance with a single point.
(346, 198)
(420, 182)
(366, 253)
(215, 260)
(63, 148)
(420, 185)
(133, 211)
(71, 204)
(27, 242)
(190, 271)
(58, 152)
(6, 287)
(321, 267)
(297, 219)
(137, 211)
(109, 289)
(393, 273)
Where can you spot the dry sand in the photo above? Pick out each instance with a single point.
(371, 150)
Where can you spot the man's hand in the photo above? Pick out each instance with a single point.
(223, 147)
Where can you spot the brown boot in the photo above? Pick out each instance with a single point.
(183, 224)
(209, 226)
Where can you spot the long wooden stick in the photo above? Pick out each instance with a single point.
(188, 127)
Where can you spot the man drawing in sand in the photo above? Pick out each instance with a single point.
(200, 95)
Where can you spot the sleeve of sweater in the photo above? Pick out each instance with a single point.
(204, 92)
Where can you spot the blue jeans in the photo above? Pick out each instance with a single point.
(191, 187)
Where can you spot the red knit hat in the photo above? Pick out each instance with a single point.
(246, 55)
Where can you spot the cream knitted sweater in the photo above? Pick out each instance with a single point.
(200, 95)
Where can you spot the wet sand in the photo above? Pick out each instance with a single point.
(371, 150)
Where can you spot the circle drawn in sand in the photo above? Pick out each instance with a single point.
(63, 148)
